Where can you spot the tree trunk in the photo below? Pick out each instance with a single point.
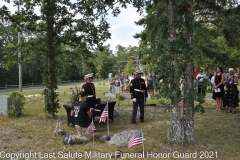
(51, 74)
(188, 87)
(188, 107)
(175, 128)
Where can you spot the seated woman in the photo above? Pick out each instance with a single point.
(231, 93)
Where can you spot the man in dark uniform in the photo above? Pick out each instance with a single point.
(139, 94)
(89, 89)
(81, 112)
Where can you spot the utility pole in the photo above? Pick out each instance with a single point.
(19, 61)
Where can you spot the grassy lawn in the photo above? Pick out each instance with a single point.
(215, 133)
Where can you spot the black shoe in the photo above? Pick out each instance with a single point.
(133, 122)
(234, 112)
(65, 139)
(229, 111)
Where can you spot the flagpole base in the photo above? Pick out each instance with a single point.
(59, 133)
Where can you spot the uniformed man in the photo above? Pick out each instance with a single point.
(89, 89)
(138, 93)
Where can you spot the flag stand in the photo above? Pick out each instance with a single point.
(142, 141)
(93, 131)
(108, 137)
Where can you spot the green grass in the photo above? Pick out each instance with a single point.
(214, 131)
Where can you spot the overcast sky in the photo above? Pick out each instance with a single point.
(122, 28)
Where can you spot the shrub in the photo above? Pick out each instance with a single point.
(162, 102)
(16, 104)
(120, 98)
(75, 95)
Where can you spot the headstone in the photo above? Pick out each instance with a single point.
(70, 93)
(122, 138)
(110, 95)
(126, 95)
(105, 92)
(209, 97)
(61, 92)
(149, 96)
(4, 104)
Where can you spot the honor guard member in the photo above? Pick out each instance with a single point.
(89, 89)
(139, 94)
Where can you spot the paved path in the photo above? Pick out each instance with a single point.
(28, 88)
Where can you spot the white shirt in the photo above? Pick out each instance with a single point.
(130, 78)
(201, 77)
(212, 80)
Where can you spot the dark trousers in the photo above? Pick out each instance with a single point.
(93, 116)
(135, 109)
(201, 90)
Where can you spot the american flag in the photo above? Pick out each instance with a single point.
(91, 128)
(58, 125)
(135, 139)
(104, 114)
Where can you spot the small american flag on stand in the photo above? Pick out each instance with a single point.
(58, 125)
(91, 128)
(135, 139)
(104, 114)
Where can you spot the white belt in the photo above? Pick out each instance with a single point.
(138, 90)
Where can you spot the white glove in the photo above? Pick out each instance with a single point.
(134, 100)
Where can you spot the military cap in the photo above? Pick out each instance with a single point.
(139, 72)
(89, 75)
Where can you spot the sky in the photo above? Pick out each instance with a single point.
(122, 27)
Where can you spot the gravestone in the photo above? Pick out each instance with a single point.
(149, 96)
(126, 95)
(4, 104)
(110, 95)
(70, 93)
(61, 93)
(209, 97)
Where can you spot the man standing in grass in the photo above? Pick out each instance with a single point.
(81, 112)
(139, 94)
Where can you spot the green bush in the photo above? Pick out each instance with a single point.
(16, 104)
(120, 98)
(162, 102)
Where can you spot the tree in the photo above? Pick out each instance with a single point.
(58, 23)
(106, 62)
(169, 40)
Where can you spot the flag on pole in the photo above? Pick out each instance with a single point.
(58, 125)
(135, 139)
(91, 128)
(104, 114)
